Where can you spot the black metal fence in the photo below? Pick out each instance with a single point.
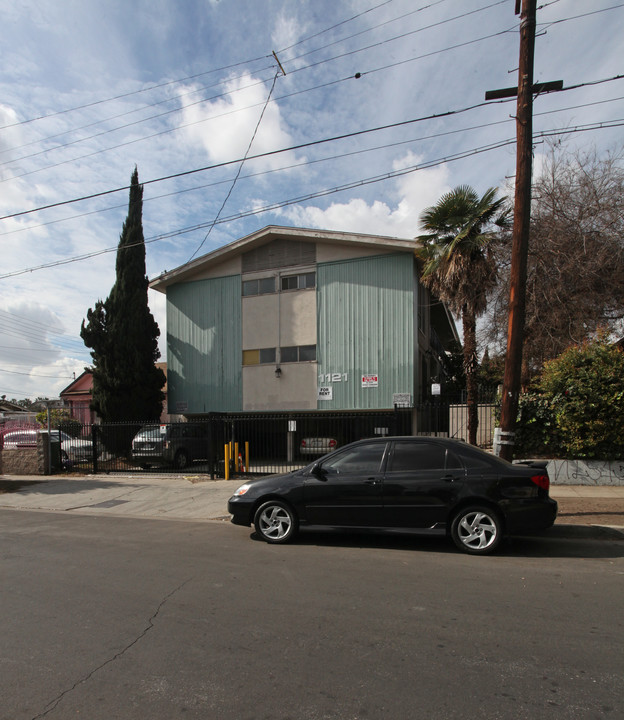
(224, 445)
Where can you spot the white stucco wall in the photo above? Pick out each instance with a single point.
(294, 390)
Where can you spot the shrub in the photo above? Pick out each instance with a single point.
(578, 409)
(536, 430)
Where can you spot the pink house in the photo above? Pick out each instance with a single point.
(78, 394)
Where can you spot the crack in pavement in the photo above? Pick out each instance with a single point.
(53, 704)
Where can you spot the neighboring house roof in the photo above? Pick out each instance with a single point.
(82, 385)
(9, 407)
(186, 272)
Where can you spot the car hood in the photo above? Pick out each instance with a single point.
(274, 482)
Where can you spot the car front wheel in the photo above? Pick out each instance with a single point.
(275, 522)
(477, 530)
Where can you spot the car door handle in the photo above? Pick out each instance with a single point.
(372, 481)
(449, 478)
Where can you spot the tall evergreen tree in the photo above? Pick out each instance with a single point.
(123, 334)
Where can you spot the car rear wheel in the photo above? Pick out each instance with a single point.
(477, 530)
(275, 522)
(181, 459)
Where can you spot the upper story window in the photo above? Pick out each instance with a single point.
(298, 282)
(262, 286)
(262, 356)
(267, 285)
(298, 353)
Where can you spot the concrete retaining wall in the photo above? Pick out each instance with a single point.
(26, 460)
(586, 472)
(21, 461)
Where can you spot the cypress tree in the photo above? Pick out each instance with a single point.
(123, 334)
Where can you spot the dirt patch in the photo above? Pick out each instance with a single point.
(591, 511)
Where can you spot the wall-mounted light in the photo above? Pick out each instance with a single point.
(278, 372)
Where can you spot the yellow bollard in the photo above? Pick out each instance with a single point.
(227, 461)
(237, 468)
(246, 456)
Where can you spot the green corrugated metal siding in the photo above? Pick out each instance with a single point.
(204, 346)
(366, 326)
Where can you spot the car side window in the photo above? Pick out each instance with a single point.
(476, 460)
(361, 459)
(417, 456)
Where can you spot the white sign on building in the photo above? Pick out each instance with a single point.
(370, 381)
(325, 393)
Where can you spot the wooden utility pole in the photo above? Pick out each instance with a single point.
(520, 237)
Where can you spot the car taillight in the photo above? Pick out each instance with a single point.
(303, 443)
(332, 443)
(542, 481)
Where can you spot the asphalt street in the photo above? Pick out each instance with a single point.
(124, 617)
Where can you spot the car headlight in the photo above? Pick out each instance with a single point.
(242, 490)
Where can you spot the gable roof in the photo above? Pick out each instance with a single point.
(274, 232)
(80, 386)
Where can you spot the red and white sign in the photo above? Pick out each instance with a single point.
(370, 381)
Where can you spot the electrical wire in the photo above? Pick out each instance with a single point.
(206, 72)
(222, 82)
(316, 161)
(293, 148)
(53, 377)
(238, 172)
(190, 124)
(257, 156)
(329, 191)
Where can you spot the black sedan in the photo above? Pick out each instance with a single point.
(416, 483)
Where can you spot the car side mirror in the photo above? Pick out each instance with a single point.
(318, 472)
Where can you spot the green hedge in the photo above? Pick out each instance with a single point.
(577, 407)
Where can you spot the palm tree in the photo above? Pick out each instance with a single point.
(459, 267)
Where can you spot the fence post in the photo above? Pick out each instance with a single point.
(94, 448)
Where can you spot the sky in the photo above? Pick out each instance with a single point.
(375, 110)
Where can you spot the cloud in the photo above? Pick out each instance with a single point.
(223, 128)
(412, 193)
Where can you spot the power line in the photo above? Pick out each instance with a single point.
(329, 191)
(397, 37)
(238, 172)
(53, 377)
(316, 161)
(180, 126)
(129, 94)
(292, 148)
(269, 153)
(296, 70)
(201, 74)
(214, 97)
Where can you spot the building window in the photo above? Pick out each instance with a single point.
(307, 353)
(262, 286)
(289, 354)
(298, 282)
(263, 356)
(298, 353)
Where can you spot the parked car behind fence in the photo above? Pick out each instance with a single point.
(178, 444)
